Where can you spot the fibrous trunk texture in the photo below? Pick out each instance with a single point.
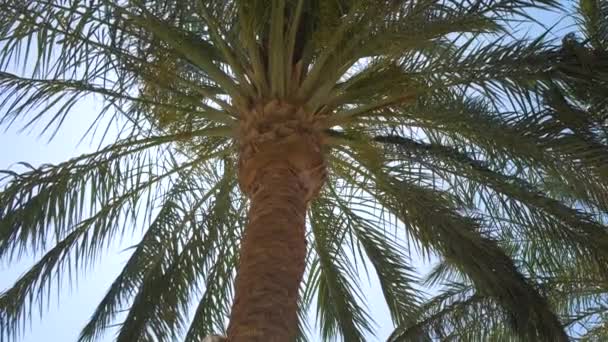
(272, 260)
(281, 168)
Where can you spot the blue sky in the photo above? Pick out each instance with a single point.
(65, 318)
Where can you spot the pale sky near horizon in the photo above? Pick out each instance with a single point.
(62, 323)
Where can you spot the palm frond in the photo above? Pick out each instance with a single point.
(214, 305)
(339, 312)
(67, 192)
(174, 224)
(592, 21)
(430, 217)
(458, 312)
(386, 255)
(159, 310)
(554, 220)
(87, 205)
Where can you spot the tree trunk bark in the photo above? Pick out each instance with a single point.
(281, 168)
(272, 258)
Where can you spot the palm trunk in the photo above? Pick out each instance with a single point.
(272, 260)
(281, 168)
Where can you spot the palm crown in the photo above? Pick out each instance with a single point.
(421, 126)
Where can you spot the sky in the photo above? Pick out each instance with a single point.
(69, 312)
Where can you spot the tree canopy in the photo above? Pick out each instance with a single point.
(448, 133)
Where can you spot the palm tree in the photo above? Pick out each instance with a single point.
(580, 298)
(274, 150)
